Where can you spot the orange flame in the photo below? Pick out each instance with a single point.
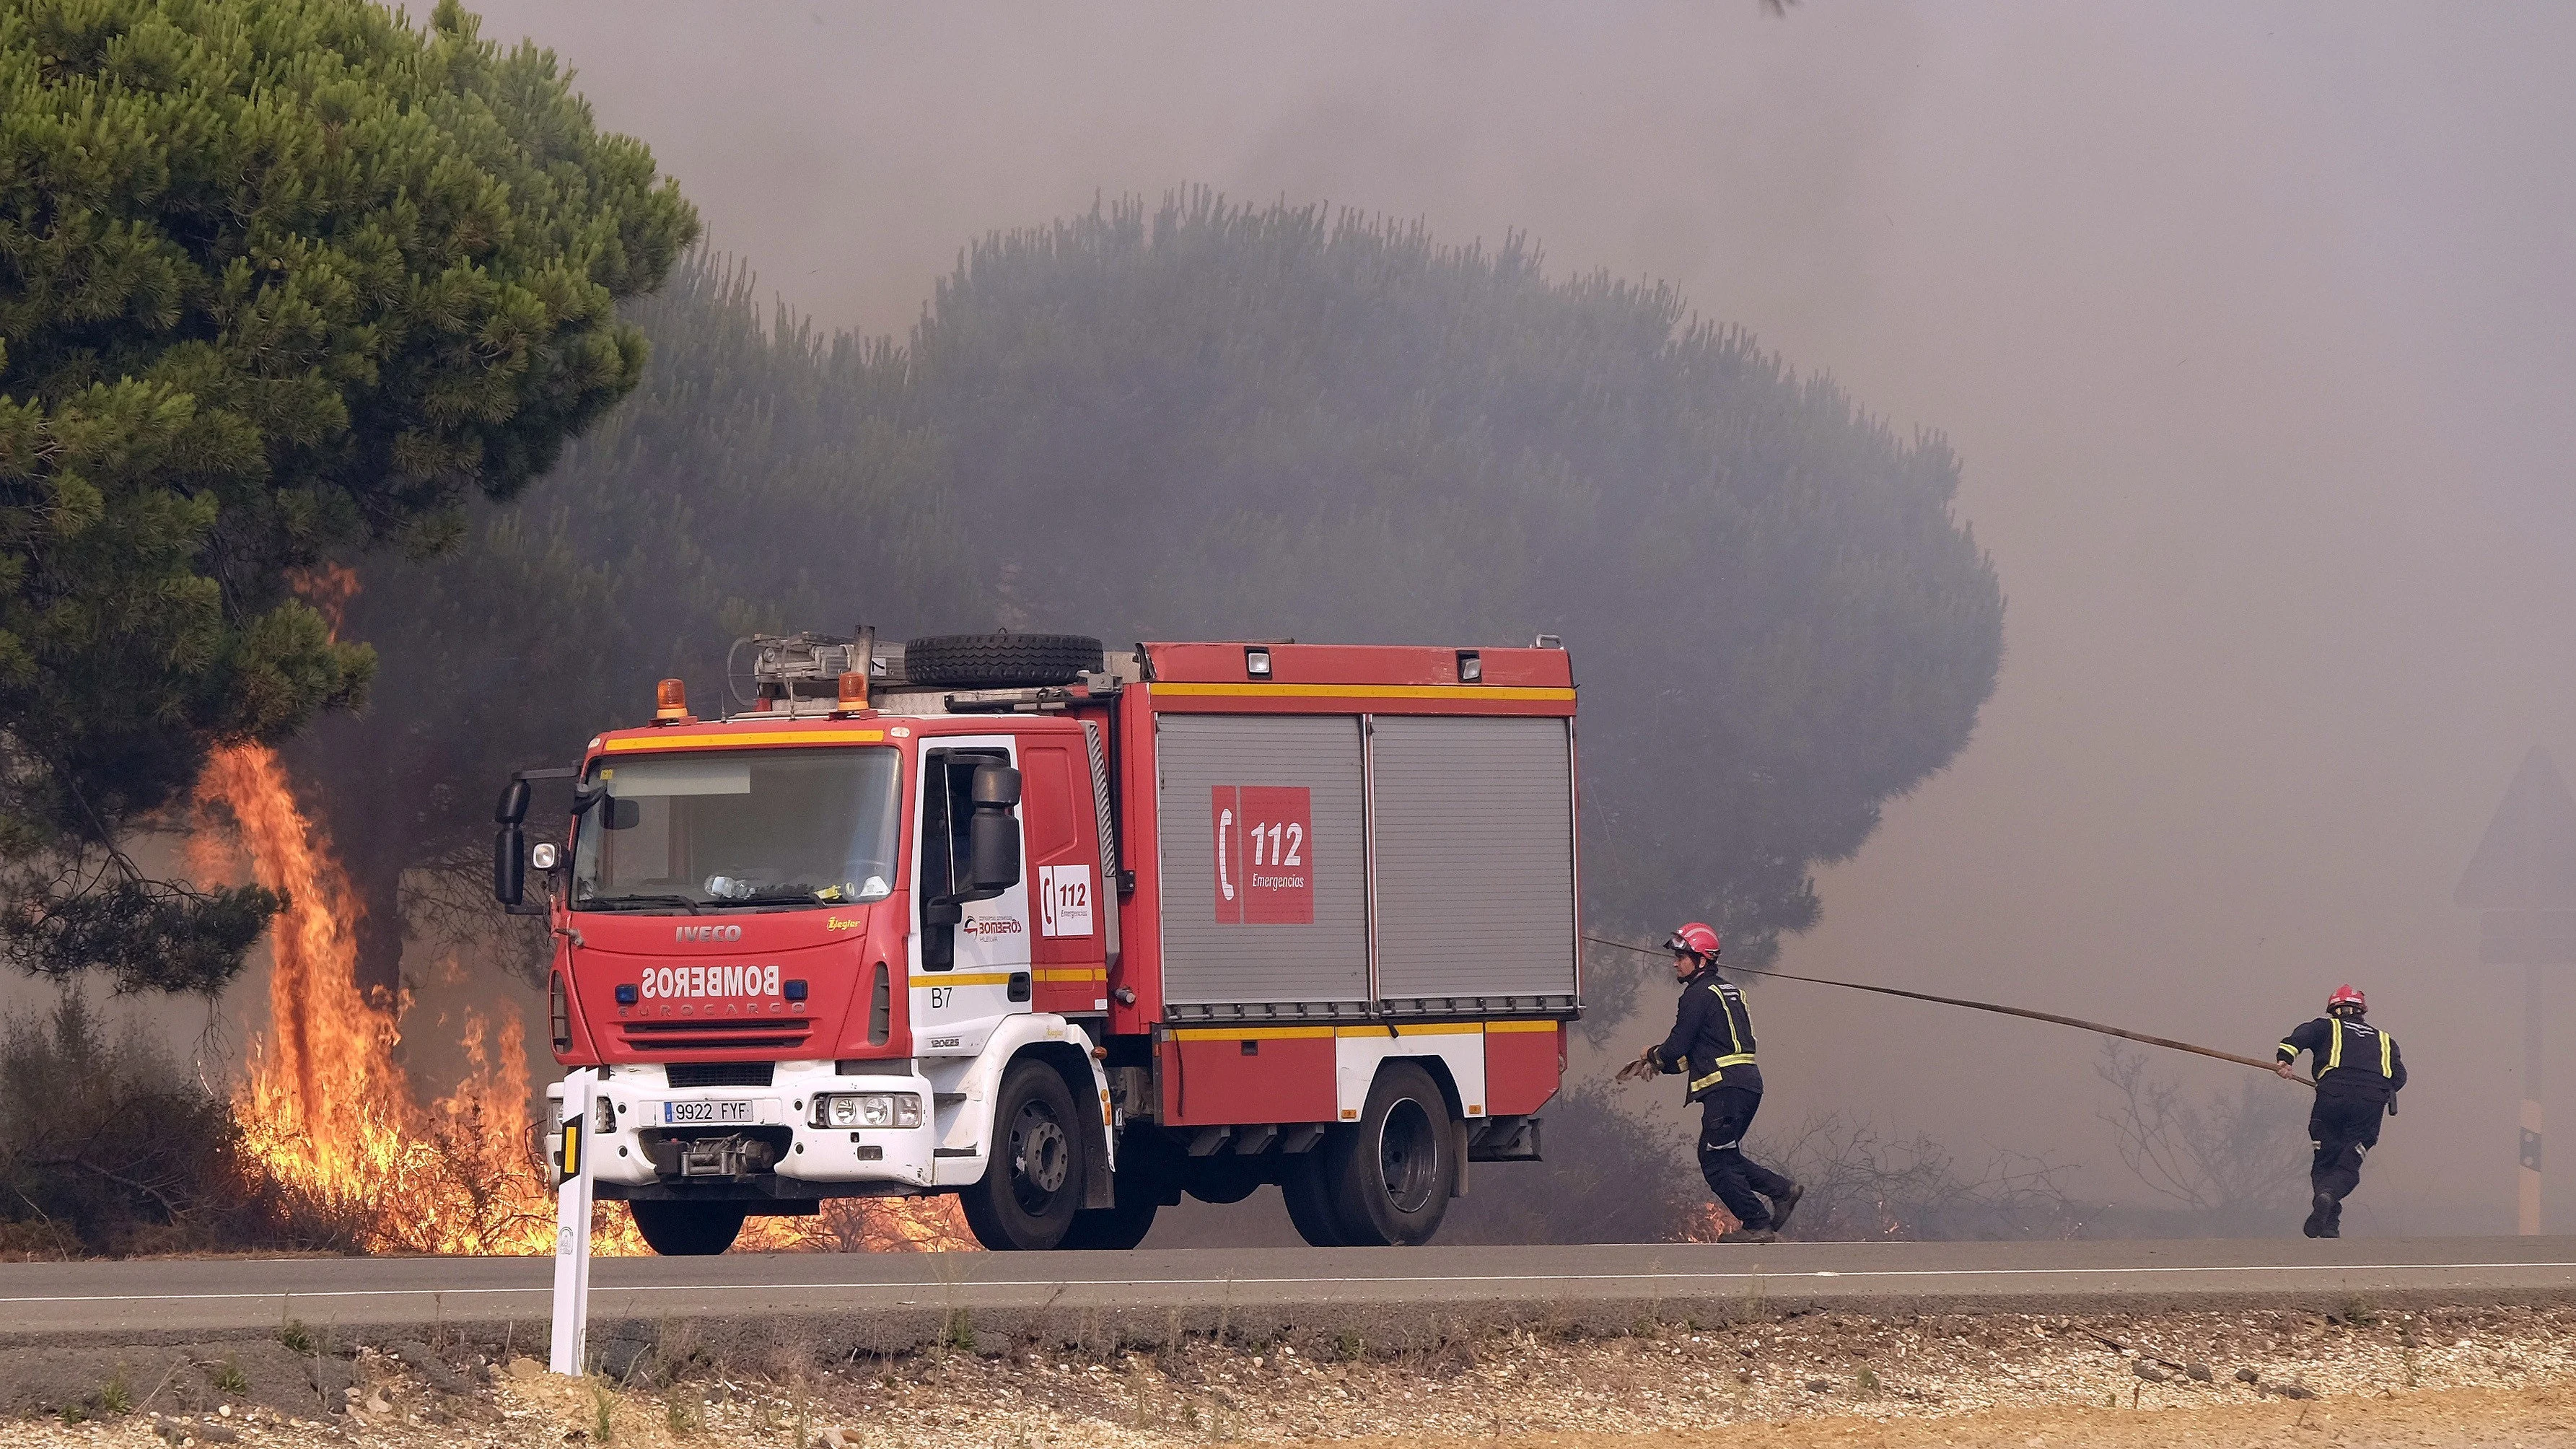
(328, 1110)
(1706, 1224)
(328, 587)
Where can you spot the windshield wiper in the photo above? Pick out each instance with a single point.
(619, 903)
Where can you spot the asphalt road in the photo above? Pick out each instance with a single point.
(166, 1298)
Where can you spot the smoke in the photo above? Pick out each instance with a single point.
(2251, 325)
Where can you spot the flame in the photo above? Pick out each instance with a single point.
(865, 1225)
(1706, 1224)
(328, 1110)
(328, 587)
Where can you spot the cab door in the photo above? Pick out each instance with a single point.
(1061, 825)
(970, 966)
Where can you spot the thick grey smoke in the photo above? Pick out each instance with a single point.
(2252, 323)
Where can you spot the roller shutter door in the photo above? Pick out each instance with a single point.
(1475, 859)
(1303, 942)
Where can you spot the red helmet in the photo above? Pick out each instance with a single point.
(1697, 937)
(2346, 996)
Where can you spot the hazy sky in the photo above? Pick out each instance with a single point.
(2255, 326)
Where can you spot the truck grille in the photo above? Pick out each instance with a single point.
(684, 1036)
(721, 1074)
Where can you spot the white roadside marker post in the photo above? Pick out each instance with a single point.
(572, 1225)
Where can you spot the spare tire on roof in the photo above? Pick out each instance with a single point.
(1000, 661)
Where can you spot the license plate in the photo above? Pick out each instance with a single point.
(705, 1114)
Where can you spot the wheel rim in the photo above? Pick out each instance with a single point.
(1041, 1158)
(1407, 1156)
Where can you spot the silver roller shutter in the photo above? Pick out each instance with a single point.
(1208, 962)
(1475, 859)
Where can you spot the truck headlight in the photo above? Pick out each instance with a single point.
(867, 1109)
(603, 1115)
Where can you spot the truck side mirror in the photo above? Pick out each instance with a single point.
(993, 837)
(514, 804)
(509, 865)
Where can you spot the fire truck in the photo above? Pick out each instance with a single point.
(1068, 934)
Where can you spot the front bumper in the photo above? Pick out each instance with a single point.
(776, 1153)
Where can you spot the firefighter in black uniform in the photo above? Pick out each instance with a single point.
(1712, 1040)
(2359, 1075)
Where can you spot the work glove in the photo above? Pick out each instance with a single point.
(1644, 1066)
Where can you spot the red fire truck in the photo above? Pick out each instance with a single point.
(1068, 935)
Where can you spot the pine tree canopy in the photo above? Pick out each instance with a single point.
(1201, 420)
(280, 281)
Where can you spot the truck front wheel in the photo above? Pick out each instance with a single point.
(1033, 1181)
(1391, 1176)
(687, 1229)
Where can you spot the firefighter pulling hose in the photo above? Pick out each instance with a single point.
(2359, 1075)
(1712, 1045)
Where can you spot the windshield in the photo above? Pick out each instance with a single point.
(739, 828)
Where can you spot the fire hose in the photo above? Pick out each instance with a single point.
(1625, 1073)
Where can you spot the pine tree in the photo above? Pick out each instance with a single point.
(280, 281)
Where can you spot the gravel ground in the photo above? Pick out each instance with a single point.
(2472, 1376)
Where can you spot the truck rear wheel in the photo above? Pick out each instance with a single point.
(1000, 661)
(1391, 1176)
(687, 1229)
(1032, 1184)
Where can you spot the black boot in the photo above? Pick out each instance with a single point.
(2324, 1217)
(1785, 1204)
